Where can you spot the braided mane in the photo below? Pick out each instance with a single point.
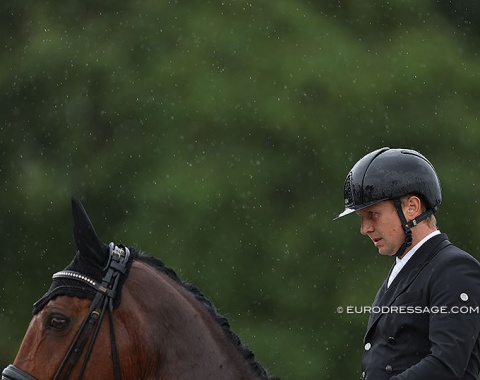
(246, 353)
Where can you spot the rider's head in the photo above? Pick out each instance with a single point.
(390, 174)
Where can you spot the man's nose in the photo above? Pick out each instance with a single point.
(365, 227)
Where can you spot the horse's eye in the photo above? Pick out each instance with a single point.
(57, 322)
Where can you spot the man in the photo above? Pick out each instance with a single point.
(425, 318)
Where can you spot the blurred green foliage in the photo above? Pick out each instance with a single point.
(217, 136)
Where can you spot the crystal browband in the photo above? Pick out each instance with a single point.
(118, 257)
(82, 278)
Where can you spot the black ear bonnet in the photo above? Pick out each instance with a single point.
(90, 260)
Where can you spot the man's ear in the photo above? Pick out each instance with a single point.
(412, 207)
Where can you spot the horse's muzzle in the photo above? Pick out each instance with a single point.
(14, 373)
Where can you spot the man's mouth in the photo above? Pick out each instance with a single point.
(376, 241)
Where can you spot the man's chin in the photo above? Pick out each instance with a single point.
(385, 252)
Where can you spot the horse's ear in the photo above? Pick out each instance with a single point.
(85, 237)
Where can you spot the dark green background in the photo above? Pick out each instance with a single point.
(217, 136)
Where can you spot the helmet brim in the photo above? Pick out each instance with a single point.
(345, 212)
(350, 210)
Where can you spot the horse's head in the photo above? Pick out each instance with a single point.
(115, 314)
(65, 330)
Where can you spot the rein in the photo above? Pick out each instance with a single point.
(87, 334)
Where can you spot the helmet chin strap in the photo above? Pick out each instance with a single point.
(407, 226)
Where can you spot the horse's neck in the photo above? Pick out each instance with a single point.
(185, 340)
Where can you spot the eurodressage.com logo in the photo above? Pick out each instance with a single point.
(408, 309)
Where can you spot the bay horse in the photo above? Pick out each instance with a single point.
(116, 313)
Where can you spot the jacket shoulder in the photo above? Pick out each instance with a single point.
(452, 254)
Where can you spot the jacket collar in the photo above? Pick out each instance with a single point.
(386, 296)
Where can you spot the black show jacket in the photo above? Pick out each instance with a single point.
(426, 324)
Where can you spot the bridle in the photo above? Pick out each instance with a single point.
(84, 340)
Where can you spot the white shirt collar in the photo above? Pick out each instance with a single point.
(401, 262)
(414, 249)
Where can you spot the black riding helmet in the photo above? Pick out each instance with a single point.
(390, 174)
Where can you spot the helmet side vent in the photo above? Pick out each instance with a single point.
(348, 190)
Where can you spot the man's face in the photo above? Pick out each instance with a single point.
(381, 224)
